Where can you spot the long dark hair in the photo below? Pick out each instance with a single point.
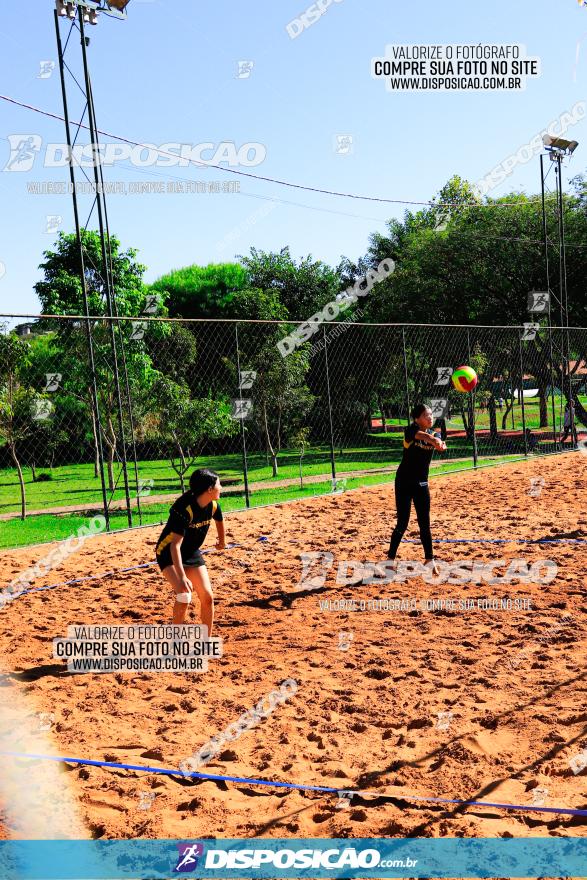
(418, 410)
(201, 480)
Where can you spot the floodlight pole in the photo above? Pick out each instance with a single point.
(119, 330)
(105, 263)
(562, 350)
(564, 301)
(94, 387)
(547, 267)
(88, 12)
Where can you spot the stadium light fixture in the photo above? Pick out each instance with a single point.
(116, 7)
(65, 8)
(68, 8)
(559, 145)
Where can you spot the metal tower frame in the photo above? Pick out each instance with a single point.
(78, 13)
(558, 336)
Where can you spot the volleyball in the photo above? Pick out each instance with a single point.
(464, 378)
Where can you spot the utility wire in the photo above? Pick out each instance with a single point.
(275, 180)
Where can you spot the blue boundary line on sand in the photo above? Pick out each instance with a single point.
(92, 577)
(293, 785)
(501, 540)
(264, 538)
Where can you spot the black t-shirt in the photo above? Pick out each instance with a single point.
(188, 519)
(417, 456)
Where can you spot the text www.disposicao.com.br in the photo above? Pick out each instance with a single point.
(141, 664)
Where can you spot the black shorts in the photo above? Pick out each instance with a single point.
(195, 559)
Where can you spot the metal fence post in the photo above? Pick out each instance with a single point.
(243, 436)
(521, 386)
(332, 459)
(131, 423)
(407, 387)
(471, 402)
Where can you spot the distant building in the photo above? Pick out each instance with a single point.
(27, 329)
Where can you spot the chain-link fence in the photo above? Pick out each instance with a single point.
(111, 416)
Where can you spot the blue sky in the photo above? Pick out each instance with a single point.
(168, 74)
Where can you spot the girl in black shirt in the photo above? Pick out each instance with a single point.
(411, 480)
(178, 548)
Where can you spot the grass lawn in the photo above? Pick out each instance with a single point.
(50, 527)
(75, 485)
(514, 420)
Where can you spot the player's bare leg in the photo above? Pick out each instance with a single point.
(179, 608)
(200, 581)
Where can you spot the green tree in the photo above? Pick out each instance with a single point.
(60, 293)
(69, 429)
(20, 405)
(475, 263)
(302, 287)
(202, 291)
(187, 424)
(280, 396)
(211, 293)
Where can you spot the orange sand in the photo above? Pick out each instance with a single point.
(362, 718)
